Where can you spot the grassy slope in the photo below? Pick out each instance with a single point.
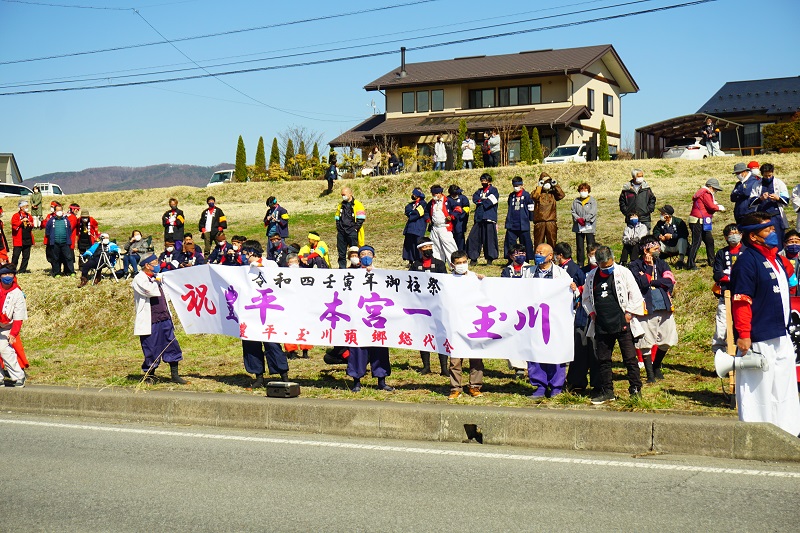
(84, 337)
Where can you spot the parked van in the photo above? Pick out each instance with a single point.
(567, 153)
(220, 177)
(12, 189)
(49, 189)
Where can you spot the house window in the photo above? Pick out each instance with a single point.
(608, 105)
(408, 102)
(479, 98)
(437, 100)
(525, 95)
(422, 102)
(590, 99)
(536, 94)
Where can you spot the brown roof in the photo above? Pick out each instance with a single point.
(508, 66)
(377, 125)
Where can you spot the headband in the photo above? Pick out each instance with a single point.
(149, 259)
(756, 227)
(313, 236)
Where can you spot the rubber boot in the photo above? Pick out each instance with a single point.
(259, 382)
(383, 386)
(175, 377)
(426, 363)
(648, 367)
(284, 376)
(660, 355)
(356, 385)
(305, 354)
(444, 364)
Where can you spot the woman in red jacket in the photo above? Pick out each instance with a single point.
(703, 208)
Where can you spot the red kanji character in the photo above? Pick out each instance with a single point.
(198, 300)
(379, 336)
(350, 336)
(428, 341)
(405, 338)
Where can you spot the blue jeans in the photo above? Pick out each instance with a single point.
(439, 165)
(130, 260)
(469, 163)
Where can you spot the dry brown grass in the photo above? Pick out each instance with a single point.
(83, 337)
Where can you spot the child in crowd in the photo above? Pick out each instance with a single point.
(631, 236)
(723, 262)
(460, 263)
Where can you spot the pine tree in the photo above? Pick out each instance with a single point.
(275, 154)
(240, 174)
(289, 155)
(462, 134)
(315, 154)
(536, 146)
(525, 146)
(261, 159)
(302, 149)
(602, 152)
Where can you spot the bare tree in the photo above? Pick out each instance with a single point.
(507, 131)
(298, 134)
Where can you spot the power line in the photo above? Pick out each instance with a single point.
(44, 4)
(339, 49)
(372, 54)
(229, 32)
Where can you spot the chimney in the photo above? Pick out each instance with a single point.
(403, 72)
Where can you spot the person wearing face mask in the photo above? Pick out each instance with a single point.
(634, 232)
(458, 205)
(791, 250)
(261, 356)
(460, 263)
(584, 220)
(441, 224)
(483, 234)
(350, 217)
(740, 196)
(59, 237)
(353, 261)
(613, 301)
(518, 269)
(73, 214)
(723, 262)
(293, 260)
(153, 323)
(545, 217)
(212, 222)
(190, 254)
(36, 207)
(92, 259)
(416, 222)
(700, 221)
(769, 195)
(315, 247)
(548, 378)
(168, 259)
(673, 234)
(3, 241)
(760, 283)
(133, 251)
(637, 198)
(376, 356)
(585, 359)
(22, 224)
(234, 256)
(14, 311)
(277, 250)
(518, 219)
(173, 221)
(276, 218)
(87, 232)
(439, 154)
(656, 283)
(429, 263)
(219, 255)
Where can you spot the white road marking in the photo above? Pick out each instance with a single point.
(415, 450)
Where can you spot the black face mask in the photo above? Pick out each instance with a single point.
(427, 254)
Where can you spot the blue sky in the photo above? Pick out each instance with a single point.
(678, 57)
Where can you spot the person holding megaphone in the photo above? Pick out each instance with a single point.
(760, 282)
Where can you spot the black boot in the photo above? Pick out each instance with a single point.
(259, 382)
(648, 366)
(660, 355)
(426, 363)
(305, 354)
(175, 377)
(356, 385)
(383, 386)
(284, 376)
(444, 364)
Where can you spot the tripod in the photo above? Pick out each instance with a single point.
(104, 261)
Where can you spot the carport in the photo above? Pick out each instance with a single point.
(651, 140)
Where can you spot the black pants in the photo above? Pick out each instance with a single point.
(580, 251)
(513, 236)
(629, 252)
(255, 352)
(605, 346)
(482, 235)
(461, 242)
(585, 361)
(343, 242)
(25, 251)
(63, 256)
(707, 237)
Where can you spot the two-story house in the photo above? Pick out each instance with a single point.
(564, 93)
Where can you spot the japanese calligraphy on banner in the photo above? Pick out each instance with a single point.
(459, 316)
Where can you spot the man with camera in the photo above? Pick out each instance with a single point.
(545, 196)
(101, 254)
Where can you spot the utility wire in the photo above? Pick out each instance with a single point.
(229, 32)
(373, 54)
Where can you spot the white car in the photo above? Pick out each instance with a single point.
(685, 148)
(567, 153)
(49, 189)
(220, 177)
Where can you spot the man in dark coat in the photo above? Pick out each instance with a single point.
(637, 197)
(484, 232)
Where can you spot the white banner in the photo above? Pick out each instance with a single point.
(464, 317)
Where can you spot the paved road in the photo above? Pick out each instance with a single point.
(73, 475)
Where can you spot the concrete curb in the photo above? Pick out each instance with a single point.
(598, 430)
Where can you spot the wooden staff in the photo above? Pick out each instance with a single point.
(731, 346)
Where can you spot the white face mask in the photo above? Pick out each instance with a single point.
(137, 237)
(461, 268)
(638, 181)
(584, 194)
(592, 261)
(170, 249)
(355, 261)
(344, 198)
(221, 243)
(517, 188)
(236, 247)
(294, 265)
(106, 241)
(59, 213)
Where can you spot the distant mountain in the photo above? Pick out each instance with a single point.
(126, 178)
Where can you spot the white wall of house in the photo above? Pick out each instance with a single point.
(8, 171)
